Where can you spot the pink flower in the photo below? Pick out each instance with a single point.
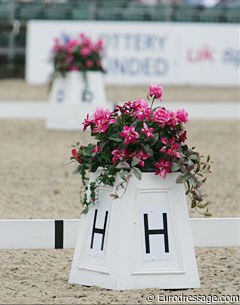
(183, 136)
(173, 120)
(98, 46)
(86, 123)
(161, 116)
(102, 119)
(57, 48)
(96, 149)
(156, 91)
(69, 58)
(173, 151)
(72, 43)
(163, 167)
(182, 116)
(127, 108)
(119, 155)
(56, 40)
(73, 68)
(148, 131)
(164, 141)
(85, 51)
(142, 156)
(99, 64)
(76, 156)
(86, 41)
(89, 63)
(170, 147)
(129, 134)
(142, 110)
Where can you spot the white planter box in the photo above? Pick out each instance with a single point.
(71, 100)
(142, 240)
(72, 89)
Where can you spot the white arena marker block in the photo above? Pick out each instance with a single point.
(71, 99)
(142, 240)
(72, 89)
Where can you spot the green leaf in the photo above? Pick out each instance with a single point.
(202, 205)
(194, 203)
(115, 139)
(122, 174)
(207, 214)
(114, 196)
(175, 167)
(155, 138)
(192, 182)
(193, 157)
(137, 173)
(123, 165)
(135, 161)
(148, 150)
(85, 210)
(181, 179)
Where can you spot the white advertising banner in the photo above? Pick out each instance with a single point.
(141, 53)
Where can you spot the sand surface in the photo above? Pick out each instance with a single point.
(17, 90)
(35, 182)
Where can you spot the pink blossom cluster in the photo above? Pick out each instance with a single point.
(138, 137)
(124, 154)
(100, 121)
(77, 53)
(163, 116)
(163, 168)
(170, 147)
(138, 133)
(156, 91)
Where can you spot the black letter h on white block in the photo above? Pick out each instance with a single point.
(99, 231)
(163, 231)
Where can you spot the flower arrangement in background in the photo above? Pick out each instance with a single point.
(76, 54)
(136, 138)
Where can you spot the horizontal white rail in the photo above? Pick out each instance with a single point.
(196, 110)
(57, 234)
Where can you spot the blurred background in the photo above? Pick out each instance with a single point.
(15, 14)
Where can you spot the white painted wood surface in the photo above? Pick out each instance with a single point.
(39, 233)
(141, 240)
(72, 98)
(71, 88)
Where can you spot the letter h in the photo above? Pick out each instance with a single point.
(163, 231)
(97, 230)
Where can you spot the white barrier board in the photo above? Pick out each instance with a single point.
(143, 52)
(42, 233)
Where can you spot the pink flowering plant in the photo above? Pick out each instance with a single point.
(76, 54)
(138, 137)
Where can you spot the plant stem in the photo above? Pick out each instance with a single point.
(152, 102)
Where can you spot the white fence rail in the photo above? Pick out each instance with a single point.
(58, 234)
(42, 109)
